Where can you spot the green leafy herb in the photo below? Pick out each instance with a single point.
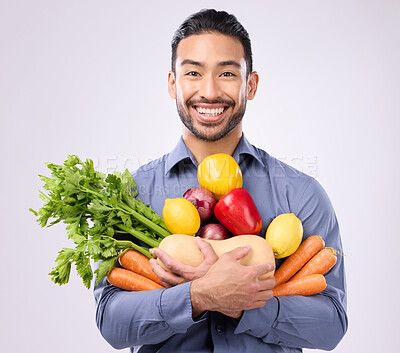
(102, 214)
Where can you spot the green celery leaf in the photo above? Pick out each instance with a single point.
(104, 268)
(72, 160)
(109, 252)
(60, 273)
(114, 183)
(94, 246)
(84, 270)
(97, 206)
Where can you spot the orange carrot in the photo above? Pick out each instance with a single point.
(307, 249)
(135, 261)
(308, 285)
(128, 280)
(320, 263)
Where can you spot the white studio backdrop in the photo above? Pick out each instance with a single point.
(90, 78)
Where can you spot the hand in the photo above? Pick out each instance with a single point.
(181, 273)
(230, 288)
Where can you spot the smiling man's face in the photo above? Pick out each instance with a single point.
(210, 84)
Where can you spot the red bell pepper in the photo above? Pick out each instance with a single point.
(237, 212)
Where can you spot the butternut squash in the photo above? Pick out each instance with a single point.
(184, 249)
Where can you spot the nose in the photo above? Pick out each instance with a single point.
(209, 88)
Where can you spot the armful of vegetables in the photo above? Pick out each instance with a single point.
(98, 210)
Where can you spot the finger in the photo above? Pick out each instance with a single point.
(267, 284)
(170, 263)
(159, 271)
(264, 295)
(260, 303)
(206, 250)
(169, 279)
(156, 252)
(239, 252)
(264, 268)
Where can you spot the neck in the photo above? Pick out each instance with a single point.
(202, 149)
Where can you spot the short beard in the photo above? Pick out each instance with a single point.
(233, 122)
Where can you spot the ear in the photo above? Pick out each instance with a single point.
(252, 84)
(171, 85)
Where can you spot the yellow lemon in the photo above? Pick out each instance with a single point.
(284, 234)
(219, 173)
(181, 217)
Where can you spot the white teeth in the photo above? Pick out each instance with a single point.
(210, 112)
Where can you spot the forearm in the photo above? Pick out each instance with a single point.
(127, 319)
(317, 322)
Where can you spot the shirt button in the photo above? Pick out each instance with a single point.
(219, 328)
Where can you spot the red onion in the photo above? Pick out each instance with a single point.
(203, 200)
(213, 231)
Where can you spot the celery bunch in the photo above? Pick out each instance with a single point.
(102, 215)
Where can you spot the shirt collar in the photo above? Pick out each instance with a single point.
(246, 148)
(181, 152)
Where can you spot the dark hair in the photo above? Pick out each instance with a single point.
(210, 20)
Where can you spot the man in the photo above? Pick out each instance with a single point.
(221, 306)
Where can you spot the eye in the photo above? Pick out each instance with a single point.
(228, 74)
(192, 73)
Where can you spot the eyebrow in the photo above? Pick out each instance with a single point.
(221, 63)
